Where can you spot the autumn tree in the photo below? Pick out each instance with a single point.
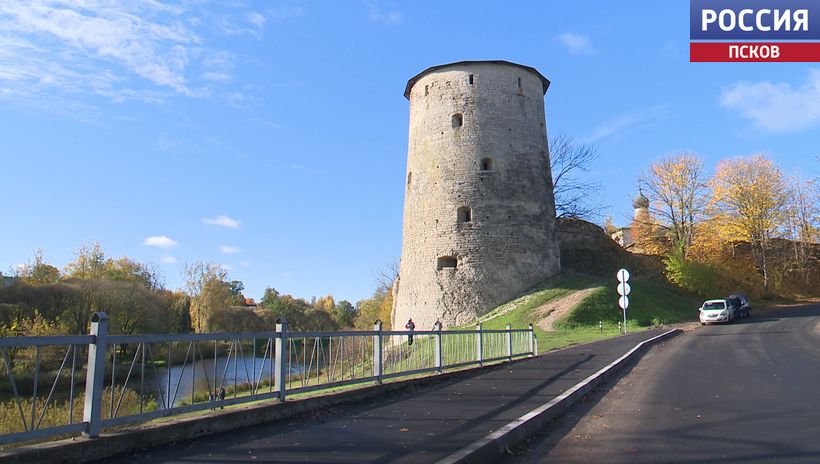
(206, 284)
(89, 264)
(568, 162)
(300, 314)
(38, 272)
(750, 196)
(369, 309)
(677, 189)
(325, 303)
(128, 270)
(179, 311)
(131, 308)
(609, 226)
(803, 222)
(344, 314)
(236, 287)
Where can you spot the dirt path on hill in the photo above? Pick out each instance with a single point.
(556, 309)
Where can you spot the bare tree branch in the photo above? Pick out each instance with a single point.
(572, 193)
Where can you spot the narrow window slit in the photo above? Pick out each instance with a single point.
(446, 262)
(465, 214)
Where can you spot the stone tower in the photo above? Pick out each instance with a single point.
(479, 211)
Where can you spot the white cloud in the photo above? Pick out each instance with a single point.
(146, 38)
(168, 260)
(245, 263)
(638, 118)
(227, 267)
(218, 67)
(160, 241)
(576, 44)
(776, 107)
(258, 20)
(53, 52)
(286, 12)
(389, 18)
(223, 221)
(227, 249)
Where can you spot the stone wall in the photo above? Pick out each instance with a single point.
(479, 211)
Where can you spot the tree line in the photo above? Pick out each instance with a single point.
(746, 226)
(45, 300)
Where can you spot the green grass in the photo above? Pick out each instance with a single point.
(651, 304)
(519, 316)
(575, 336)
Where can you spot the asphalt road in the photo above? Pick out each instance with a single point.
(419, 426)
(745, 392)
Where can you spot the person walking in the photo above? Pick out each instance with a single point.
(222, 396)
(410, 326)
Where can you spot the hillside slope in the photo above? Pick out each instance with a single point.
(581, 304)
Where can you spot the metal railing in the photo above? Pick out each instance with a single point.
(135, 378)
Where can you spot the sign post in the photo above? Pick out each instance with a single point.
(623, 290)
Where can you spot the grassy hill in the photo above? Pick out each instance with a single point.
(652, 304)
(580, 305)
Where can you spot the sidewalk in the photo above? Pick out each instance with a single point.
(418, 427)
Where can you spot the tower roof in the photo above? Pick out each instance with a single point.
(640, 201)
(544, 81)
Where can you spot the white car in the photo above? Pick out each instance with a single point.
(716, 311)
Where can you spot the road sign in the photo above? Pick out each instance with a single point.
(624, 289)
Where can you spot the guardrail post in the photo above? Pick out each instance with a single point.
(535, 346)
(439, 361)
(479, 345)
(509, 342)
(531, 338)
(280, 368)
(94, 380)
(378, 365)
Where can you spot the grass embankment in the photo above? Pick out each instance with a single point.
(651, 304)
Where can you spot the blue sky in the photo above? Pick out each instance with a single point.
(271, 137)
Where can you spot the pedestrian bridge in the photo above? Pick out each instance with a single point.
(89, 384)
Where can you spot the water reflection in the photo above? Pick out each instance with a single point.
(201, 378)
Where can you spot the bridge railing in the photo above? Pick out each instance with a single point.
(66, 385)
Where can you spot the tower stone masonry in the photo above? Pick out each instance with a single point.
(479, 211)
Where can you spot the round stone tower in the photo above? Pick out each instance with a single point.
(479, 211)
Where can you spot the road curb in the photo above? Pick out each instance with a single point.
(494, 445)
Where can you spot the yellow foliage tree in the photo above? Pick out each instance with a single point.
(325, 303)
(677, 192)
(648, 235)
(386, 309)
(90, 263)
(208, 288)
(749, 198)
(38, 272)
